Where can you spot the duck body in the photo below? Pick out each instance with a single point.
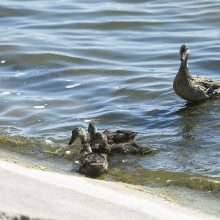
(108, 143)
(193, 88)
(119, 136)
(130, 148)
(99, 144)
(98, 140)
(123, 148)
(92, 164)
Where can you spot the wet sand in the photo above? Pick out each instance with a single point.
(28, 193)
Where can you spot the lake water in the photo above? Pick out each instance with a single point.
(66, 63)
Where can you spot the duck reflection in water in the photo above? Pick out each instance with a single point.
(190, 116)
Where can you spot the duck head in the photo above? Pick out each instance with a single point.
(184, 53)
(92, 129)
(78, 133)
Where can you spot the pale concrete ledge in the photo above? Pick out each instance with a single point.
(27, 193)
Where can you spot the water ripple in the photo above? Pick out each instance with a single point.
(68, 63)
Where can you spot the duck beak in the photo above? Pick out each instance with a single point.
(74, 136)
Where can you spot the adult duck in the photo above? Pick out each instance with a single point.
(193, 88)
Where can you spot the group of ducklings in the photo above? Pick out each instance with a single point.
(98, 146)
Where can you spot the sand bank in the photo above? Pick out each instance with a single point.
(39, 194)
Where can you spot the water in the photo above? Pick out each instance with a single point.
(66, 63)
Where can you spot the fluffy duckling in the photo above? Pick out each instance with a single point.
(98, 141)
(193, 88)
(119, 136)
(92, 164)
(100, 144)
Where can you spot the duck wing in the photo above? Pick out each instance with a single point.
(206, 82)
(209, 86)
(127, 133)
(127, 148)
(120, 136)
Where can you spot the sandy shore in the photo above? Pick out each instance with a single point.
(28, 193)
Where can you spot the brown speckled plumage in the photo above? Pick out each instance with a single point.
(193, 88)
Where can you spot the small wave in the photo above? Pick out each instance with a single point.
(72, 86)
(5, 93)
(40, 106)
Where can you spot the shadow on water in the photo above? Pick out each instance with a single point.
(190, 109)
(190, 115)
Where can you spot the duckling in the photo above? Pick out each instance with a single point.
(119, 136)
(92, 164)
(193, 88)
(98, 141)
(100, 144)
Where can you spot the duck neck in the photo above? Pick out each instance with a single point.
(185, 74)
(92, 130)
(92, 133)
